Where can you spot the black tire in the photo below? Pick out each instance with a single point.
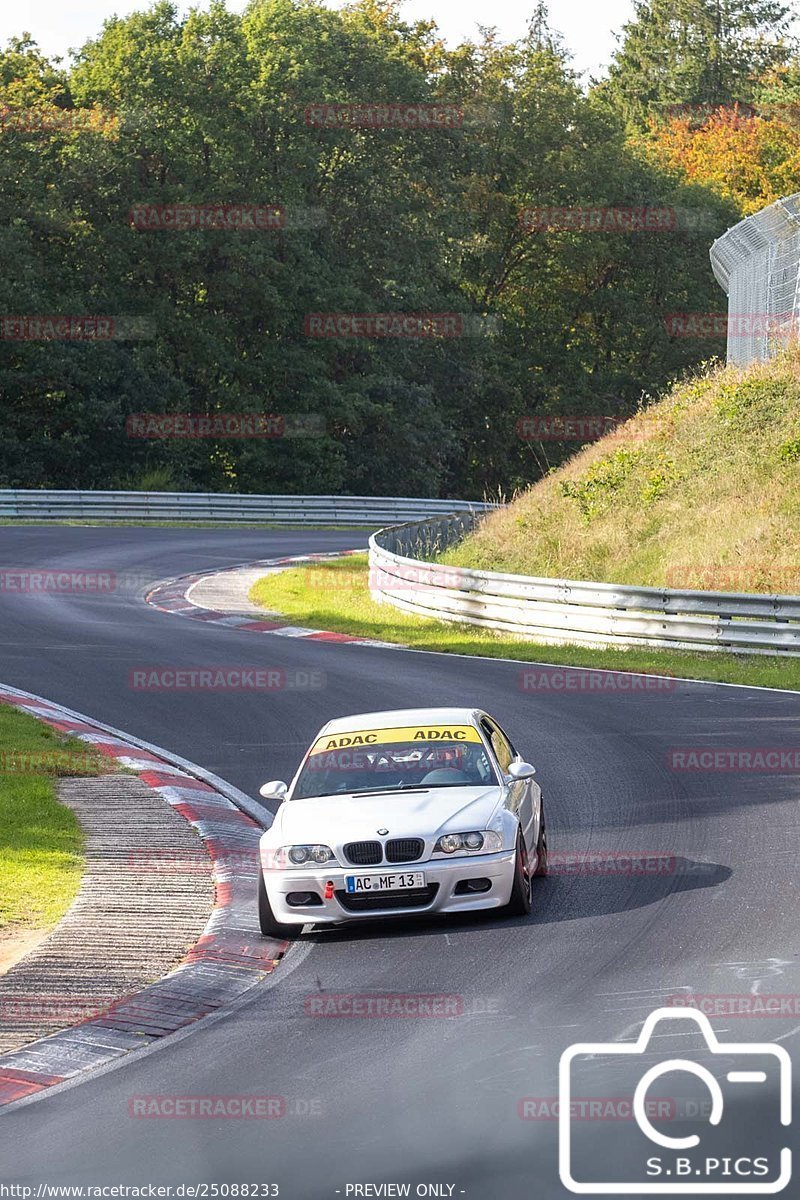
(520, 903)
(541, 849)
(266, 918)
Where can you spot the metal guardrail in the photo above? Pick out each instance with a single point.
(208, 506)
(757, 262)
(565, 611)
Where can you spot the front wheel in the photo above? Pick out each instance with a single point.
(266, 918)
(520, 903)
(541, 848)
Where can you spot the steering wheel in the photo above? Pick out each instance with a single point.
(446, 775)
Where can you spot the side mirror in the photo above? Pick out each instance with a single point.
(276, 789)
(521, 770)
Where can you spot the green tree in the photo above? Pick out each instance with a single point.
(211, 107)
(695, 52)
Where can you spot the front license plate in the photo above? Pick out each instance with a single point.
(385, 883)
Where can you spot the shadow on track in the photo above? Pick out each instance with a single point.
(558, 897)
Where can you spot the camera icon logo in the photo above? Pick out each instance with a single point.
(712, 1161)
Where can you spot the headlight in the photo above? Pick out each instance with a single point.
(479, 841)
(297, 856)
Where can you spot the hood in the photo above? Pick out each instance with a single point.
(333, 820)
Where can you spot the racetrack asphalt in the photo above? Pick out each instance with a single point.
(422, 1100)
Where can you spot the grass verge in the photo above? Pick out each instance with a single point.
(41, 842)
(700, 490)
(335, 596)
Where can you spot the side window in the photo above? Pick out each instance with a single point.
(503, 750)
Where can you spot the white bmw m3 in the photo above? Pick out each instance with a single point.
(418, 811)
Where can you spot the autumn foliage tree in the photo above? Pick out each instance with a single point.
(744, 157)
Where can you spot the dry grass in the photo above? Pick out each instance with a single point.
(41, 843)
(701, 490)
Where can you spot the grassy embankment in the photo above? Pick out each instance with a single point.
(41, 843)
(700, 490)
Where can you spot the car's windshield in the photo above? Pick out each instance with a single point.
(394, 760)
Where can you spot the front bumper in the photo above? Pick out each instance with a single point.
(443, 875)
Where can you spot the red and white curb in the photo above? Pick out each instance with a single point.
(172, 596)
(229, 957)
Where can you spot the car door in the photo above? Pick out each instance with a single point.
(524, 795)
